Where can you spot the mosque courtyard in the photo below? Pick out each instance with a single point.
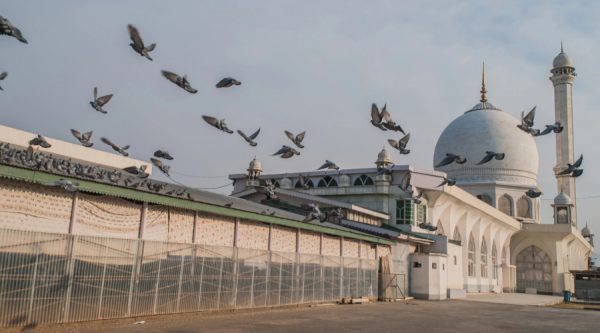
(446, 316)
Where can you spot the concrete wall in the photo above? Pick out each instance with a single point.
(428, 276)
(455, 267)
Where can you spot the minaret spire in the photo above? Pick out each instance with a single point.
(561, 47)
(483, 91)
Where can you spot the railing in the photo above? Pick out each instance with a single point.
(53, 278)
(393, 286)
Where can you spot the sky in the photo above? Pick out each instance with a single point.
(304, 65)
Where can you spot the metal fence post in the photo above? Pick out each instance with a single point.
(219, 288)
(322, 278)
(158, 281)
(268, 276)
(341, 277)
(71, 241)
(235, 276)
(33, 280)
(137, 262)
(103, 280)
(279, 296)
(179, 283)
(200, 283)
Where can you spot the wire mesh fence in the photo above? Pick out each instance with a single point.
(53, 278)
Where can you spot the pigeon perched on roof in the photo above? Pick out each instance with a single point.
(427, 226)
(249, 139)
(120, 150)
(65, 184)
(3, 76)
(401, 144)
(138, 45)
(228, 82)
(451, 158)
(83, 138)
(556, 128)
(138, 171)
(161, 166)
(180, 81)
(217, 123)
(329, 165)
(286, 152)
(313, 213)
(6, 28)
(163, 154)
(574, 170)
(297, 140)
(39, 141)
(268, 189)
(489, 155)
(532, 193)
(99, 102)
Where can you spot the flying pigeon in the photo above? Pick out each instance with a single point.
(527, 123)
(556, 128)
(388, 122)
(249, 139)
(450, 158)
(228, 82)
(286, 152)
(138, 171)
(83, 138)
(447, 181)
(39, 141)
(120, 150)
(489, 155)
(3, 76)
(532, 193)
(401, 144)
(162, 166)
(297, 140)
(6, 28)
(405, 184)
(314, 212)
(138, 45)
(217, 123)
(268, 190)
(329, 165)
(573, 169)
(377, 117)
(180, 81)
(99, 102)
(65, 184)
(163, 154)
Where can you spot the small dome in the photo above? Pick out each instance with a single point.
(383, 157)
(255, 165)
(563, 199)
(562, 60)
(285, 183)
(344, 180)
(586, 232)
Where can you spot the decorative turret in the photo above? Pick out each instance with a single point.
(587, 233)
(384, 159)
(563, 207)
(254, 172)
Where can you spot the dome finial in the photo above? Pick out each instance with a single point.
(483, 91)
(561, 47)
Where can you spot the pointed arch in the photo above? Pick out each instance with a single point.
(440, 228)
(494, 261)
(456, 235)
(505, 205)
(327, 181)
(524, 207)
(483, 261)
(471, 256)
(363, 180)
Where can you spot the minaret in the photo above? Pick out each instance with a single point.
(563, 76)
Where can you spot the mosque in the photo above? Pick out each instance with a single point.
(482, 235)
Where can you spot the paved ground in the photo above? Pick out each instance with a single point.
(515, 299)
(422, 316)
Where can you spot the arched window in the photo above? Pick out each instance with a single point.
(484, 267)
(485, 198)
(363, 180)
(327, 182)
(471, 256)
(494, 262)
(524, 208)
(308, 182)
(505, 205)
(503, 257)
(456, 236)
(440, 228)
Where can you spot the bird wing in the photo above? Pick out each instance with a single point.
(375, 115)
(135, 37)
(566, 171)
(87, 135)
(125, 147)
(488, 157)
(404, 141)
(77, 134)
(132, 169)
(244, 136)
(394, 143)
(282, 150)
(325, 165)
(3, 75)
(211, 120)
(151, 47)
(447, 160)
(171, 76)
(287, 154)
(19, 35)
(548, 129)
(110, 143)
(577, 163)
(104, 99)
(156, 162)
(95, 93)
(405, 182)
(223, 83)
(300, 136)
(255, 134)
(290, 135)
(528, 119)
(385, 114)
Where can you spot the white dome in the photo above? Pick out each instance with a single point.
(563, 199)
(384, 157)
(486, 128)
(562, 60)
(255, 165)
(586, 232)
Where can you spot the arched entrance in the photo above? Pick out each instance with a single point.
(534, 270)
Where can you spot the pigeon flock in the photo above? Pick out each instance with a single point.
(381, 119)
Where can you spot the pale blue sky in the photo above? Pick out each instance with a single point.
(314, 65)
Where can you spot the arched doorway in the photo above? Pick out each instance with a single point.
(534, 270)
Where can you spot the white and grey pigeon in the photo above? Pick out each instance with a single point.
(161, 166)
(138, 45)
(268, 189)
(527, 122)
(329, 165)
(296, 139)
(217, 123)
(39, 141)
(286, 152)
(388, 122)
(83, 138)
(451, 158)
(313, 212)
(249, 139)
(377, 117)
(99, 102)
(120, 150)
(405, 184)
(3, 76)
(556, 128)
(163, 154)
(489, 155)
(447, 181)
(6, 28)
(400, 145)
(65, 184)
(228, 82)
(138, 171)
(532, 193)
(180, 81)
